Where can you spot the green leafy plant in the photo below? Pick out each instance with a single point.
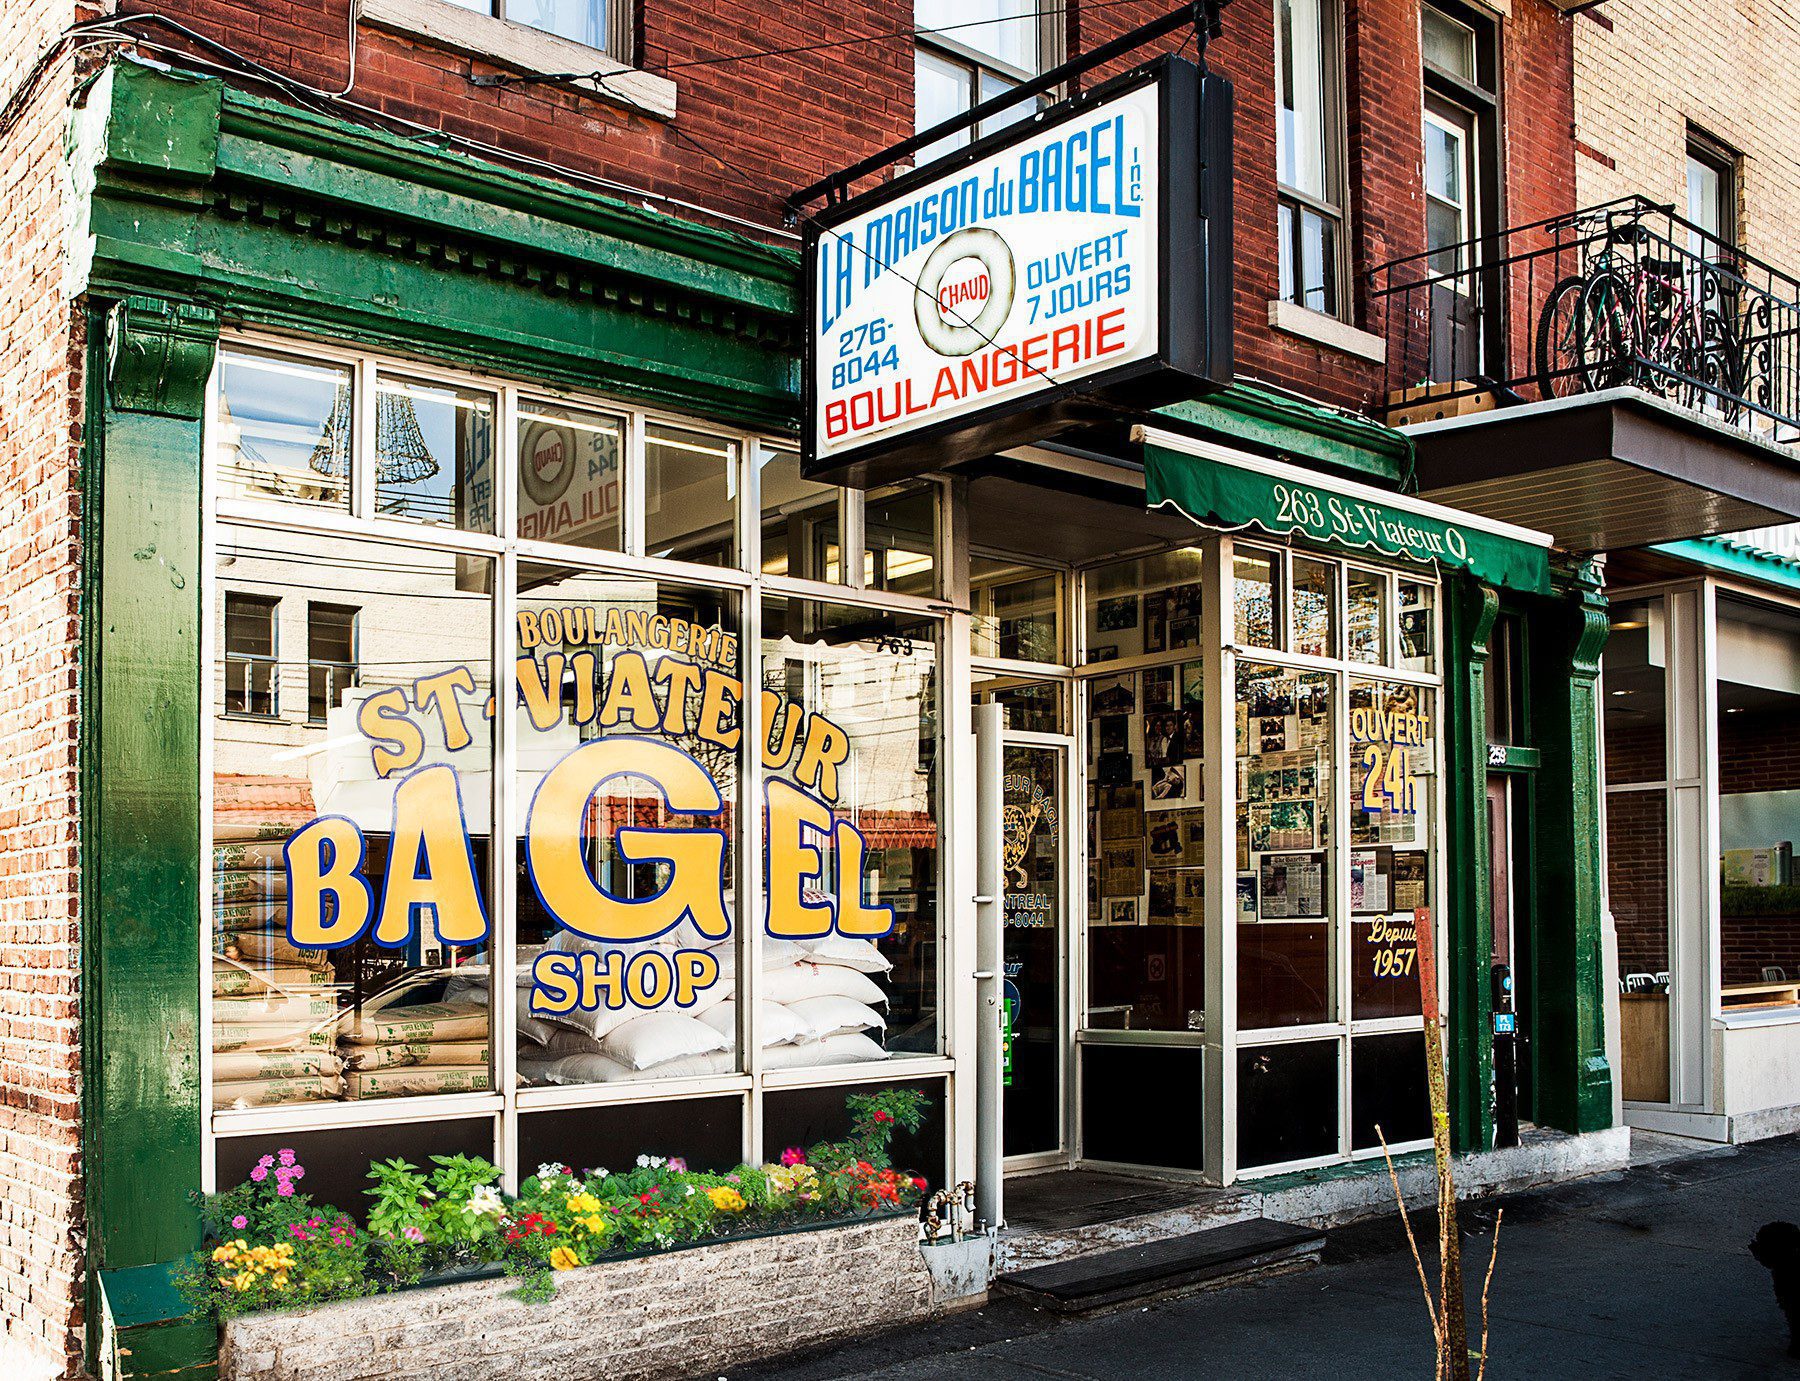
(269, 1246)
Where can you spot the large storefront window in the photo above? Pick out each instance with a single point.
(629, 740)
(1332, 776)
(850, 760)
(1146, 884)
(475, 779)
(352, 882)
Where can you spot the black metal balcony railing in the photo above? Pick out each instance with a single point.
(1626, 294)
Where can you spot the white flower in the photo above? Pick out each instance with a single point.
(486, 1200)
(651, 1162)
(599, 1172)
(550, 1171)
(690, 1191)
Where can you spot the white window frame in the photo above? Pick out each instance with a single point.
(507, 1100)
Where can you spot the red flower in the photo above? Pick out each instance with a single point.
(881, 1116)
(919, 1184)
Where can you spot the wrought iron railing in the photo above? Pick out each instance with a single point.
(1626, 294)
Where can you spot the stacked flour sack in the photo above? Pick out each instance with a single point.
(274, 1007)
(424, 1034)
(820, 1004)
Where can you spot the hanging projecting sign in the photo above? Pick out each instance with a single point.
(1074, 262)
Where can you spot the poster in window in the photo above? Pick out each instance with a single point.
(1172, 782)
(1161, 910)
(1408, 881)
(1115, 695)
(1116, 615)
(1163, 829)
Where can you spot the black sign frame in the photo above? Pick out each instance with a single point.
(1194, 289)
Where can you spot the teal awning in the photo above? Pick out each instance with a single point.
(1217, 486)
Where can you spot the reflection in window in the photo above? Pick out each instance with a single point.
(851, 762)
(295, 1022)
(901, 540)
(571, 467)
(690, 495)
(284, 429)
(654, 666)
(434, 453)
(1017, 611)
(1366, 633)
(250, 668)
(800, 529)
(1313, 607)
(1033, 706)
(1146, 605)
(1256, 583)
(330, 657)
(1284, 892)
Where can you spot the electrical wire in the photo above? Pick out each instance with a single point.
(794, 50)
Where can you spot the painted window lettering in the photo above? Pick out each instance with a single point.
(632, 683)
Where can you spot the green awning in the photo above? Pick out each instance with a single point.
(1219, 487)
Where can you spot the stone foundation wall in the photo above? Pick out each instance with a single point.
(676, 1314)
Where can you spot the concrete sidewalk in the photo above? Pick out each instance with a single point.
(1641, 1273)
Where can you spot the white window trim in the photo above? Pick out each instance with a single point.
(1292, 319)
(525, 49)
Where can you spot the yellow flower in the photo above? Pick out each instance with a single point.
(726, 1199)
(562, 1259)
(591, 1223)
(583, 1203)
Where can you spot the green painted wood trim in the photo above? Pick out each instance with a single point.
(298, 222)
(1470, 613)
(140, 777)
(1293, 430)
(1572, 1078)
(1736, 558)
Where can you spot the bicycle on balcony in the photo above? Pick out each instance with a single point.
(1641, 313)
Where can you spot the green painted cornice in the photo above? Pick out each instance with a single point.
(296, 221)
(159, 356)
(1300, 432)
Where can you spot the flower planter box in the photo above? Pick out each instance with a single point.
(641, 1318)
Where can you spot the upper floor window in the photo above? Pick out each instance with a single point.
(1308, 153)
(603, 24)
(1711, 196)
(974, 52)
(250, 682)
(330, 657)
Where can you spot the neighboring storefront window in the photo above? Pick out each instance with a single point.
(1016, 609)
(1758, 704)
(366, 935)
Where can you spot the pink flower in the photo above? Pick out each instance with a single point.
(287, 1157)
(266, 1162)
(240, 1221)
(412, 1234)
(299, 1232)
(284, 1189)
(260, 1173)
(793, 1156)
(299, 1172)
(678, 1164)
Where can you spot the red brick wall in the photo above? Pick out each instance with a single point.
(748, 132)
(1637, 876)
(41, 346)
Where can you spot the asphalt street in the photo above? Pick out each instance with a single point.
(1643, 1273)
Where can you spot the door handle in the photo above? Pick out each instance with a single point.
(982, 975)
(982, 900)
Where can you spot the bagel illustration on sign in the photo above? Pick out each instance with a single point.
(547, 462)
(965, 292)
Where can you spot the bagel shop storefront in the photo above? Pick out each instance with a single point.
(1232, 704)
(569, 767)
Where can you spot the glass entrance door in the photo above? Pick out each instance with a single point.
(1034, 949)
